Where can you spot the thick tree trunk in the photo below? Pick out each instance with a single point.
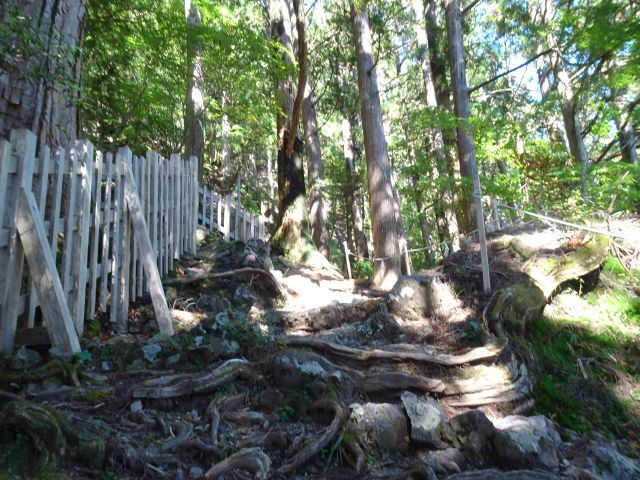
(317, 206)
(383, 217)
(194, 111)
(40, 91)
(448, 223)
(225, 129)
(466, 149)
(628, 140)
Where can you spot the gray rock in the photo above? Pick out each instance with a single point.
(136, 406)
(296, 369)
(379, 426)
(104, 366)
(224, 348)
(473, 433)
(604, 461)
(415, 297)
(196, 472)
(245, 295)
(494, 474)
(172, 360)
(25, 359)
(151, 351)
(426, 417)
(447, 461)
(527, 442)
(56, 353)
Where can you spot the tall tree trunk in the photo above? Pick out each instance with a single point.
(466, 149)
(40, 92)
(194, 111)
(383, 219)
(225, 129)
(317, 206)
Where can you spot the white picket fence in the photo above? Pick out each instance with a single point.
(90, 237)
(225, 214)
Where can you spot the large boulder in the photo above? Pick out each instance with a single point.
(604, 461)
(301, 369)
(527, 442)
(415, 297)
(426, 418)
(473, 433)
(381, 426)
(494, 474)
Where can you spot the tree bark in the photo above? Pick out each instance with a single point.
(40, 92)
(466, 149)
(194, 111)
(387, 268)
(317, 206)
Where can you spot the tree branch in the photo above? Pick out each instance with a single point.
(511, 70)
(466, 9)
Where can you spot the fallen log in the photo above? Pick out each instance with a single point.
(172, 386)
(184, 281)
(514, 307)
(489, 351)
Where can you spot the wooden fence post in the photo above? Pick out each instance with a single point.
(238, 215)
(123, 160)
(194, 182)
(95, 236)
(107, 227)
(346, 256)
(24, 146)
(42, 267)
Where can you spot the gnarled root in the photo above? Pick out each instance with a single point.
(313, 447)
(187, 384)
(253, 460)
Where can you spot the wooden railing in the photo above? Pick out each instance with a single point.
(225, 214)
(80, 200)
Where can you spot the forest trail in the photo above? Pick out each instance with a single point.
(283, 371)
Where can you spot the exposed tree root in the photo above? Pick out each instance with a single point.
(313, 447)
(487, 352)
(187, 384)
(253, 460)
(385, 381)
(183, 281)
(324, 318)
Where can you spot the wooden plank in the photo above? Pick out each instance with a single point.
(172, 212)
(165, 211)
(178, 211)
(123, 162)
(69, 224)
(53, 302)
(32, 337)
(141, 232)
(56, 224)
(133, 281)
(5, 158)
(116, 257)
(161, 216)
(24, 147)
(41, 187)
(219, 213)
(238, 213)
(76, 299)
(194, 223)
(227, 218)
(153, 218)
(211, 210)
(141, 186)
(106, 232)
(96, 221)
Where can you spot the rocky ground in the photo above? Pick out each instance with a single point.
(281, 371)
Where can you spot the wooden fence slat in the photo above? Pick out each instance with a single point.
(153, 219)
(123, 160)
(165, 212)
(33, 238)
(194, 224)
(160, 220)
(76, 298)
(5, 158)
(219, 213)
(141, 186)
(238, 215)
(96, 221)
(107, 219)
(177, 192)
(41, 187)
(133, 283)
(24, 145)
(141, 233)
(116, 261)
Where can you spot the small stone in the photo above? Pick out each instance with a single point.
(224, 348)
(104, 366)
(426, 417)
(25, 359)
(56, 353)
(379, 426)
(136, 406)
(172, 360)
(151, 352)
(244, 294)
(196, 472)
(171, 294)
(222, 319)
(198, 340)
